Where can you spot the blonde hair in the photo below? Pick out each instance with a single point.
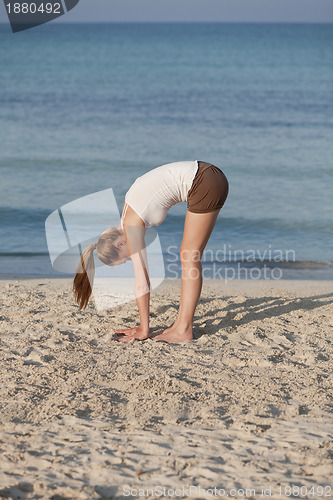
(107, 252)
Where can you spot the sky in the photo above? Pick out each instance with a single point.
(203, 10)
(197, 10)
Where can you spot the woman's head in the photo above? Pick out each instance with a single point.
(111, 250)
(112, 247)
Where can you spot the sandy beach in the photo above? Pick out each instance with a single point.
(246, 405)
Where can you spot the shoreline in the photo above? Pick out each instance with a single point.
(267, 270)
(28, 277)
(238, 285)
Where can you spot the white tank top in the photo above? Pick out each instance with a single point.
(152, 194)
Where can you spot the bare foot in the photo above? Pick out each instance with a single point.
(159, 332)
(175, 335)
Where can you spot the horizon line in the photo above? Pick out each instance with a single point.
(180, 22)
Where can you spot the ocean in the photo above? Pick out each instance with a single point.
(85, 107)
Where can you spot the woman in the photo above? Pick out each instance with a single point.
(205, 188)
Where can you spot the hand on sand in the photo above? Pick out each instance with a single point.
(136, 333)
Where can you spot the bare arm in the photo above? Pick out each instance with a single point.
(134, 230)
(138, 253)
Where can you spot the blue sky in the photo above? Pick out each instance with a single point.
(203, 10)
(198, 10)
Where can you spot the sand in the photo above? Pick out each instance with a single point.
(247, 405)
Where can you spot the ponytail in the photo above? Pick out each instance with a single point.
(84, 277)
(107, 253)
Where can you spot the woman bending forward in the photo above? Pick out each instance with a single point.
(205, 188)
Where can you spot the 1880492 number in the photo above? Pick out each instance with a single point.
(25, 14)
(33, 8)
(304, 491)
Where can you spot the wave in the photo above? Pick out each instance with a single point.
(24, 254)
(306, 264)
(275, 223)
(12, 216)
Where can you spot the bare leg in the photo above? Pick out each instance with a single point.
(197, 230)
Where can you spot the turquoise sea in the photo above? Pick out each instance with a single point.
(85, 107)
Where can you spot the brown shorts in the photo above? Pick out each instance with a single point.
(209, 189)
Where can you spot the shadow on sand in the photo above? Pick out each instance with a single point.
(257, 309)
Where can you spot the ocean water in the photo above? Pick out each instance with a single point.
(85, 107)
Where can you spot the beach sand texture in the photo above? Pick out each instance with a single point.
(248, 404)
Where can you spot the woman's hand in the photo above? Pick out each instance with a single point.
(137, 332)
